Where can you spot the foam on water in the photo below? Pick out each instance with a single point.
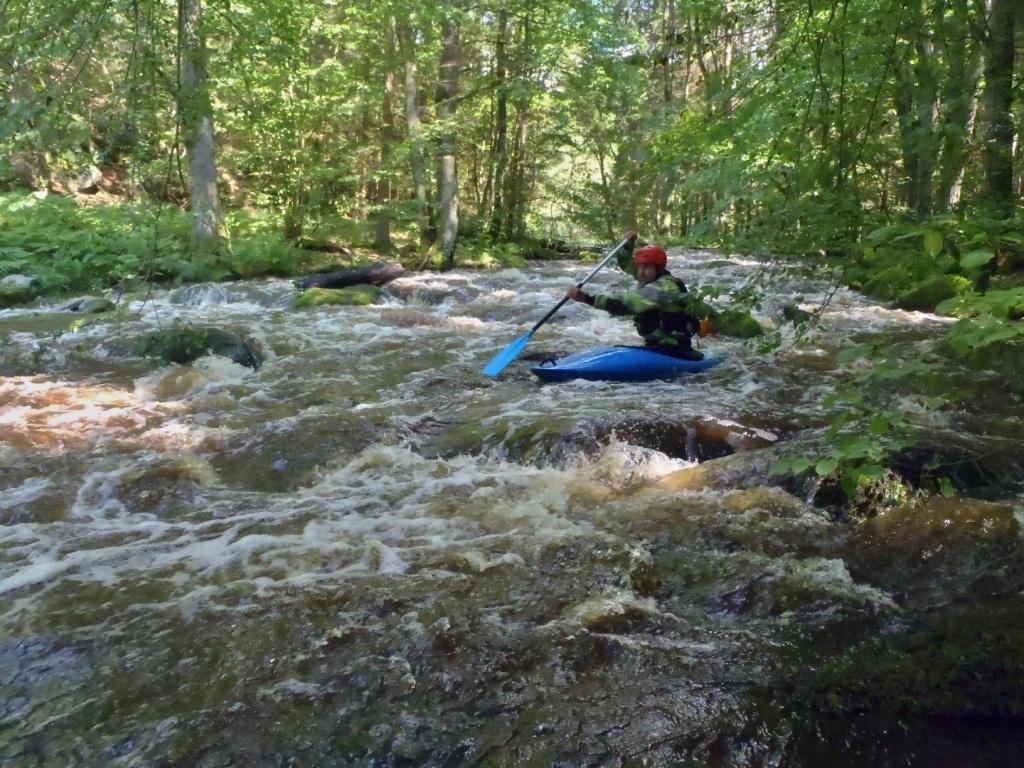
(387, 373)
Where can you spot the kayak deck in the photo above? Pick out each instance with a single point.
(620, 364)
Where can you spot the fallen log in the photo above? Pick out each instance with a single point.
(375, 274)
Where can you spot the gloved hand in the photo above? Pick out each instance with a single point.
(574, 293)
(629, 237)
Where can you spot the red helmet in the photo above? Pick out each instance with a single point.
(651, 254)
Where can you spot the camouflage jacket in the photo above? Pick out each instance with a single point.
(658, 309)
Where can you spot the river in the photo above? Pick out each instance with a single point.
(365, 553)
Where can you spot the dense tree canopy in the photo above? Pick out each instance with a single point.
(787, 123)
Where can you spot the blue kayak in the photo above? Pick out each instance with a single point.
(620, 364)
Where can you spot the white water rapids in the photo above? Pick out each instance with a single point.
(367, 476)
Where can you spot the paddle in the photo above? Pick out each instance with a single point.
(511, 352)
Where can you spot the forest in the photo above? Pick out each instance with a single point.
(445, 129)
(265, 502)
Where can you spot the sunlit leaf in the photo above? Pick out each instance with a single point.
(933, 242)
(826, 466)
(975, 259)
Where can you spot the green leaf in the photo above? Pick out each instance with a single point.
(880, 424)
(975, 259)
(946, 487)
(933, 242)
(826, 466)
(868, 472)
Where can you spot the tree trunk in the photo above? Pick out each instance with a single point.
(668, 41)
(926, 140)
(905, 114)
(997, 130)
(448, 184)
(196, 114)
(382, 230)
(414, 130)
(959, 105)
(500, 150)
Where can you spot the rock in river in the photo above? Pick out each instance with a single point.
(183, 345)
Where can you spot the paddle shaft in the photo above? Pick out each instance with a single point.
(580, 284)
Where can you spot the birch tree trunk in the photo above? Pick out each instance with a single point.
(448, 182)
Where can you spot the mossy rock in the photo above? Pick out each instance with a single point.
(889, 283)
(90, 305)
(16, 290)
(929, 293)
(185, 344)
(353, 296)
(795, 315)
(739, 324)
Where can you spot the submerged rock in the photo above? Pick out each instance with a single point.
(357, 295)
(794, 314)
(200, 294)
(773, 500)
(615, 612)
(740, 470)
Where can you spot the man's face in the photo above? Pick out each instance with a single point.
(646, 273)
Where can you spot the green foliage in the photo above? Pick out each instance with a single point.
(262, 255)
(70, 247)
(481, 252)
(889, 283)
(870, 424)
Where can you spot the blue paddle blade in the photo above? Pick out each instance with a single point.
(507, 355)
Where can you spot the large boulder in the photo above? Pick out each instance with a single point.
(357, 295)
(88, 179)
(16, 290)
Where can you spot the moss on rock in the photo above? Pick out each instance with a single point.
(930, 292)
(739, 324)
(356, 296)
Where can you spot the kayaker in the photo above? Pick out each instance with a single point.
(658, 305)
